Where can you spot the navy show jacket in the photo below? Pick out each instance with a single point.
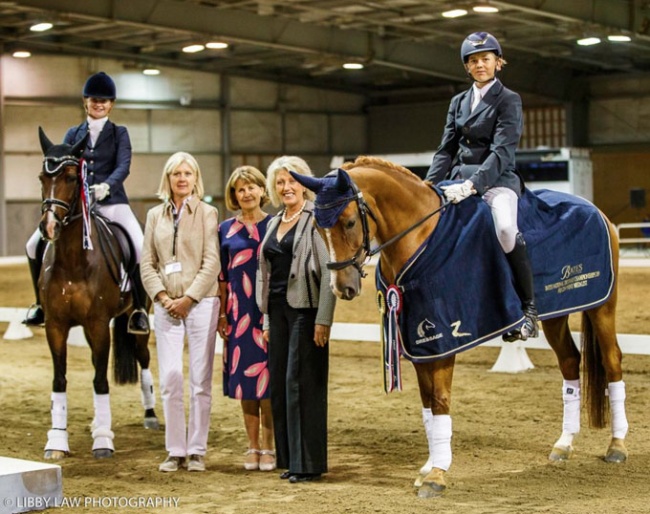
(480, 145)
(108, 161)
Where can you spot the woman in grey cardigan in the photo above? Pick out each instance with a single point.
(294, 294)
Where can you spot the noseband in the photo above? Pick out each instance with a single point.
(53, 166)
(365, 211)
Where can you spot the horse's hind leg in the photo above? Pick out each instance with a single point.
(599, 327)
(57, 445)
(146, 383)
(434, 380)
(559, 337)
(98, 335)
(133, 350)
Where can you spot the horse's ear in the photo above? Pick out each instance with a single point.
(313, 183)
(80, 146)
(343, 180)
(46, 144)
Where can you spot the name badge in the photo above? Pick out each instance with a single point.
(172, 267)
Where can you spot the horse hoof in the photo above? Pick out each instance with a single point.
(151, 424)
(433, 485)
(431, 490)
(616, 453)
(560, 453)
(103, 453)
(54, 454)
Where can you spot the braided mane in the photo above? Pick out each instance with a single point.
(365, 161)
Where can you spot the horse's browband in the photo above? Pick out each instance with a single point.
(340, 201)
(60, 163)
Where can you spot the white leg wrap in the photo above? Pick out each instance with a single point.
(59, 411)
(616, 391)
(427, 419)
(102, 404)
(57, 440)
(146, 388)
(442, 441)
(571, 398)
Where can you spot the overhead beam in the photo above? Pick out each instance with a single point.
(432, 59)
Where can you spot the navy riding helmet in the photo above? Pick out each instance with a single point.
(99, 85)
(479, 42)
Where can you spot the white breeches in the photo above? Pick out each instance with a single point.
(200, 327)
(503, 204)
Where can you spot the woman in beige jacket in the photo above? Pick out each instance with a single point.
(180, 265)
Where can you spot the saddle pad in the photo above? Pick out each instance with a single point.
(457, 290)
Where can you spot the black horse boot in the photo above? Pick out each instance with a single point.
(139, 318)
(523, 275)
(35, 316)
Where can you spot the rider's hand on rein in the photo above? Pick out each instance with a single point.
(458, 192)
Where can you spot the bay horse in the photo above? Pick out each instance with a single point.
(83, 286)
(373, 199)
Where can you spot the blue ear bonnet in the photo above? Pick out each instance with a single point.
(333, 193)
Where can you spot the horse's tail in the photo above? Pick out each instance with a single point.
(594, 376)
(125, 365)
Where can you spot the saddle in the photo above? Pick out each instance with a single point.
(110, 233)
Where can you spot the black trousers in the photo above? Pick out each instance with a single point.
(298, 383)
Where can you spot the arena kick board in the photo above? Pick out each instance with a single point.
(27, 486)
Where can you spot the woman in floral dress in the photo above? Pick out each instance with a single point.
(245, 367)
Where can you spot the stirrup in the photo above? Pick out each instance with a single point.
(138, 322)
(528, 329)
(35, 317)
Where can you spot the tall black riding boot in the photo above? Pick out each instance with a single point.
(139, 318)
(523, 274)
(35, 316)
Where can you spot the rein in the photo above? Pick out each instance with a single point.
(364, 212)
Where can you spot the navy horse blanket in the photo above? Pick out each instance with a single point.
(457, 290)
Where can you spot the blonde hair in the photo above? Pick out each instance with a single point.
(287, 163)
(248, 175)
(165, 190)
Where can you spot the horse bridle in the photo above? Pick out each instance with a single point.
(364, 211)
(49, 204)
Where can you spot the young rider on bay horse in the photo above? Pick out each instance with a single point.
(108, 157)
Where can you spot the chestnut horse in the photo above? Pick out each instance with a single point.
(82, 286)
(381, 201)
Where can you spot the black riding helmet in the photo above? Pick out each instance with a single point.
(99, 85)
(479, 42)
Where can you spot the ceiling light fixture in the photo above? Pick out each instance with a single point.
(454, 13)
(353, 66)
(588, 41)
(216, 45)
(151, 71)
(619, 38)
(485, 9)
(21, 54)
(192, 49)
(41, 27)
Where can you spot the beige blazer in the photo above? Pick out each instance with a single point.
(196, 248)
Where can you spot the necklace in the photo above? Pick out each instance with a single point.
(293, 216)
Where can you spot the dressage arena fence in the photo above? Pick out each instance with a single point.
(512, 357)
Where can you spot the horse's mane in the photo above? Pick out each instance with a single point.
(366, 161)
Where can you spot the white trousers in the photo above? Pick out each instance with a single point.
(503, 204)
(119, 213)
(200, 327)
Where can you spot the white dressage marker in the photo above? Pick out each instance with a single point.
(27, 485)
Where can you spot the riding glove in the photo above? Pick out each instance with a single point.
(101, 191)
(458, 192)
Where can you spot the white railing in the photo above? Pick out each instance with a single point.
(632, 240)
